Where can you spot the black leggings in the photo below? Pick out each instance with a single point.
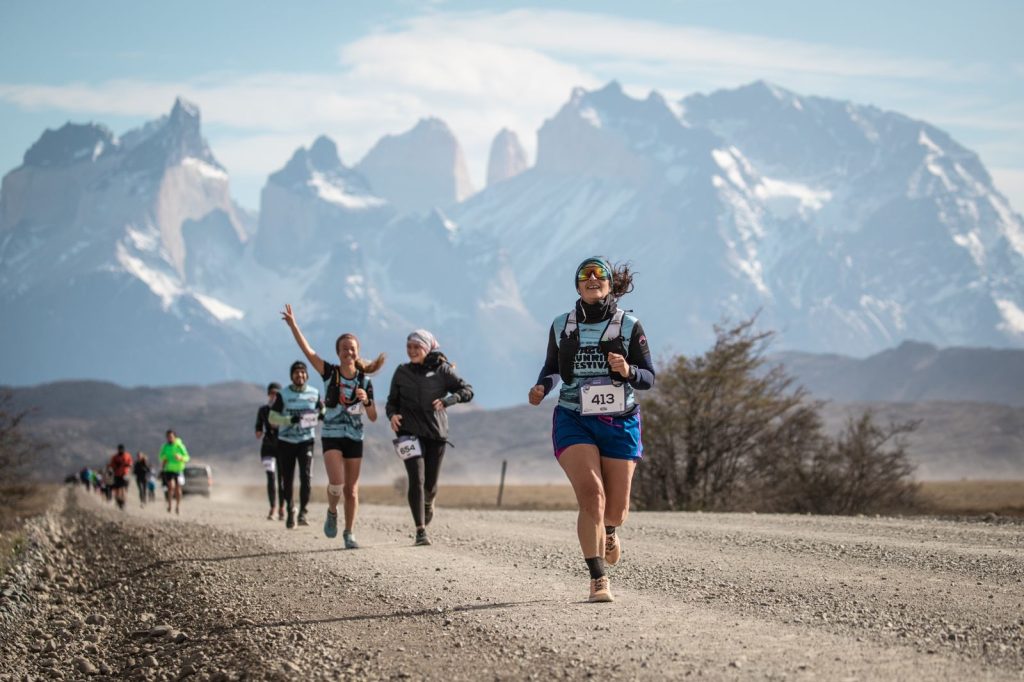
(143, 485)
(275, 488)
(423, 472)
(288, 456)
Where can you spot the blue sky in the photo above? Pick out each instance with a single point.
(270, 77)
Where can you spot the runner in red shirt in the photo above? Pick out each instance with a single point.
(121, 465)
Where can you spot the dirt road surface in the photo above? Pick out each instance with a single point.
(221, 593)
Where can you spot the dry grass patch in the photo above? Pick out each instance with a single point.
(1005, 498)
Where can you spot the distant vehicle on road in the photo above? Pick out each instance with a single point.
(198, 480)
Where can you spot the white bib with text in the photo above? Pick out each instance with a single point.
(408, 447)
(602, 395)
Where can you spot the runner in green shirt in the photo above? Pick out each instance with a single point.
(173, 456)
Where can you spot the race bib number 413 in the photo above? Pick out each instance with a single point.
(602, 396)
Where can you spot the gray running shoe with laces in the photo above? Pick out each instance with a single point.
(331, 524)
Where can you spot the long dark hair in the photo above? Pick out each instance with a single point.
(622, 279)
(364, 366)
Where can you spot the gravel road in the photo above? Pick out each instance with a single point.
(221, 593)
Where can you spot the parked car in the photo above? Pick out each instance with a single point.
(198, 480)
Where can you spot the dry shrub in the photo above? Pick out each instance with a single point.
(725, 431)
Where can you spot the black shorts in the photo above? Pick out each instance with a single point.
(350, 449)
(268, 449)
(296, 450)
(166, 476)
(120, 482)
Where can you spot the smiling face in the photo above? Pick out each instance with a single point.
(592, 289)
(416, 352)
(299, 376)
(348, 350)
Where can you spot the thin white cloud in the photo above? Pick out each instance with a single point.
(483, 71)
(603, 37)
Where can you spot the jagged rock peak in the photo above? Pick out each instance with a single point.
(507, 157)
(320, 159)
(185, 112)
(71, 143)
(420, 168)
(170, 140)
(324, 154)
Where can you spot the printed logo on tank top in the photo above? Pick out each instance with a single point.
(590, 361)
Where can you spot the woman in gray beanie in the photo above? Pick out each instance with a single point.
(421, 391)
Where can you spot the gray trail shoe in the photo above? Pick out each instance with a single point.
(350, 540)
(331, 524)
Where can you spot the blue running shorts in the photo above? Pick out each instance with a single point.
(615, 437)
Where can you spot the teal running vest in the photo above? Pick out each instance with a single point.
(298, 402)
(338, 421)
(590, 362)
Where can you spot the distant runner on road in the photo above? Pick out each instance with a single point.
(421, 392)
(141, 469)
(600, 353)
(267, 432)
(296, 411)
(120, 467)
(173, 457)
(348, 395)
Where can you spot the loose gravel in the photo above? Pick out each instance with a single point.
(220, 593)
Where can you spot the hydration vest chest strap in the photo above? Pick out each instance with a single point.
(612, 331)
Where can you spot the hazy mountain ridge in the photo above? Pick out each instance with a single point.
(913, 372)
(972, 422)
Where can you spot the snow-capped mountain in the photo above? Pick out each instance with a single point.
(889, 228)
(626, 178)
(849, 228)
(94, 239)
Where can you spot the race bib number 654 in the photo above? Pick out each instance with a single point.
(408, 447)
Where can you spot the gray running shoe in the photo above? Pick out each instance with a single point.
(350, 540)
(330, 524)
(302, 519)
(421, 538)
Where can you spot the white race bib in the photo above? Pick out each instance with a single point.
(269, 464)
(601, 395)
(308, 420)
(355, 408)
(408, 447)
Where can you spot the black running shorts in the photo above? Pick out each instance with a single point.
(350, 449)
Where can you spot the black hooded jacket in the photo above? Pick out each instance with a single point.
(415, 387)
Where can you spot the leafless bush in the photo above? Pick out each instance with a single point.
(17, 451)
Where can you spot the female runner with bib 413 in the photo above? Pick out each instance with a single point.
(600, 352)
